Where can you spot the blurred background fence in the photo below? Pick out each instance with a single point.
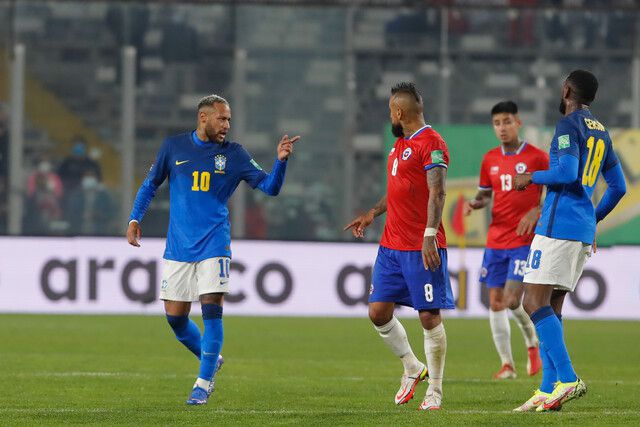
(88, 90)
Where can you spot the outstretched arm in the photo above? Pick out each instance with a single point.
(272, 183)
(482, 199)
(565, 172)
(436, 180)
(358, 225)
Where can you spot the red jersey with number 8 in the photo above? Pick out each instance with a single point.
(407, 189)
(497, 174)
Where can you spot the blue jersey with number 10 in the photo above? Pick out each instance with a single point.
(202, 176)
(568, 211)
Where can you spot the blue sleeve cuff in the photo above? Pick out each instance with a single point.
(272, 183)
(433, 165)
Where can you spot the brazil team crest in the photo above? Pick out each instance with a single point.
(220, 163)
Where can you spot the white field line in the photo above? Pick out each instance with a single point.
(585, 413)
(282, 377)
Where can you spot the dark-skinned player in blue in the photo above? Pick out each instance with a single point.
(203, 169)
(580, 151)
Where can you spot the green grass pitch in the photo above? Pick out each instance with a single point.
(113, 370)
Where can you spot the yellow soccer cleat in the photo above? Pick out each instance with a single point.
(538, 398)
(563, 393)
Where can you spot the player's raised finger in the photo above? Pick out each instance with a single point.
(295, 139)
(350, 225)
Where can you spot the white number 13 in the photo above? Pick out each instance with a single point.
(505, 180)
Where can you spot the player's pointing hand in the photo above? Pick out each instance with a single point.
(134, 232)
(358, 225)
(285, 146)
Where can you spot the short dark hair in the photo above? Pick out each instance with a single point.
(584, 84)
(508, 107)
(210, 100)
(408, 88)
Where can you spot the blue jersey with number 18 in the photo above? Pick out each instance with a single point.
(568, 212)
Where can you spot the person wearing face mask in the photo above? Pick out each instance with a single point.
(44, 199)
(90, 207)
(74, 167)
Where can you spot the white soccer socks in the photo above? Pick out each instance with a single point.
(501, 331)
(394, 335)
(435, 348)
(526, 326)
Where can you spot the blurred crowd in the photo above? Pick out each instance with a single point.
(67, 197)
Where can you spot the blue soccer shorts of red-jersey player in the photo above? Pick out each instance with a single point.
(500, 265)
(400, 277)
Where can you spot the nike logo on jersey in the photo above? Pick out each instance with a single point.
(178, 163)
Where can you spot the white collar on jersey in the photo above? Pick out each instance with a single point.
(518, 151)
(418, 131)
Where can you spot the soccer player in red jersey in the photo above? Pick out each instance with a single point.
(411, 266)
(514, 216)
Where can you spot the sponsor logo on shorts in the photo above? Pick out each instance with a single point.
(371, 289)
(484, 272)
(406, 153)
(165, 285)
(521, 167)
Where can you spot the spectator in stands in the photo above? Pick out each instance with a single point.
(44, 176)
(90, 209)
(77, 165)
(521, 23)
(43, 201)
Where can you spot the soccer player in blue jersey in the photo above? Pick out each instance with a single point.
(580, 151)
(204, 169)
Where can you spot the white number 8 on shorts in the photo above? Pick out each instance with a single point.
(428, 292)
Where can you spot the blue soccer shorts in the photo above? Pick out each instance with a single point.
(400, 277)
(500, 265)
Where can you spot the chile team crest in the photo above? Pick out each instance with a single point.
(521, 167)
(220, 162)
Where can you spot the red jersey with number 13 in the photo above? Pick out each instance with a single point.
(407, 189)
(509, 206)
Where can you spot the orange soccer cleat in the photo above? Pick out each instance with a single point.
(534, 364)
(505, 373)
